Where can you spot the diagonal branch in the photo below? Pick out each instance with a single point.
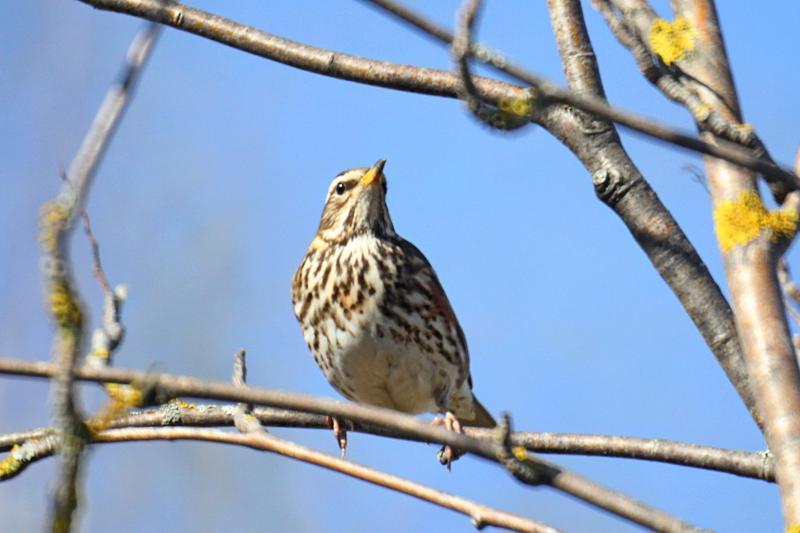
(751, 241)
(159, 387)
(481, 515)
(619, 183)
(415, 79)
(632, 22)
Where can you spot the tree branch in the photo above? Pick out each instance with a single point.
(159, 387)
(755, 465)
(621, 186)
(481, 515)
(750, 252)
(413, 79)
(57, 222)
(500, 119)
(632, 22)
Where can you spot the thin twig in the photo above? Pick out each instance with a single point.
(415, 79)
(243, 417)
(163, 386)
(58, 219)
(481, 515)
(461, 49)
(791, 292)
(107, 337)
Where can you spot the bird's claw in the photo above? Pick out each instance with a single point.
(340, 433)
(448, 454)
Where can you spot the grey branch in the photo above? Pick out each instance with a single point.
(58, 219)
(416, 79)
(161, 387)
(755, 465)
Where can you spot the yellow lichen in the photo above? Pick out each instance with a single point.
(793, 528)
(122, 397)
(101, 353)
(182, 404)
(702, 111)
(740, 221)
(520, 453)
(671, 41)
(65, 310)
(521, 107)
(126, 394)
(10, 464)
(53, 218)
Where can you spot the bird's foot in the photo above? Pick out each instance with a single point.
(340, 433)
(448, 454)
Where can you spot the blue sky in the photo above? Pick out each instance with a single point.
(212, 190)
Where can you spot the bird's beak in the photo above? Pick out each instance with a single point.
(373, 174)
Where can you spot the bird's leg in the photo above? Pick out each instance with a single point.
(448, 454)
(340, 432)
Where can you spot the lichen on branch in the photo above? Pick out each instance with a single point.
(672, 41)
(740, 221)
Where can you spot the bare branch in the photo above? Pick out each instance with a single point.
(56, 225)
(462, 45)
(620, 185)
(159, 387)
(243, 417)
(750, 252)
(249, 425)
(481, 515)
(415, 79)
(756, 465)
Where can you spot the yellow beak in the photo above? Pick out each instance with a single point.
(372, 175)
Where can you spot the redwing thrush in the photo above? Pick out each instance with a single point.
(374, 314)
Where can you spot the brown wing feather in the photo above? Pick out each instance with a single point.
(441, 304)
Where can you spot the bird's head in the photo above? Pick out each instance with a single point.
(356, 204)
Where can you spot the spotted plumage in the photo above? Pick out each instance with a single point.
(373, 312)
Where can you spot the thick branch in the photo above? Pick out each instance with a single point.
(750, 264)
(160, 387)
(414, 79)
(621, 186)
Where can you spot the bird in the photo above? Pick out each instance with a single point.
(375, 316)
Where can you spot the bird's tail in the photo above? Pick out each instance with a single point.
(483, 419)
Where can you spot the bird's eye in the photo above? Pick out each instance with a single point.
(340, 188)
